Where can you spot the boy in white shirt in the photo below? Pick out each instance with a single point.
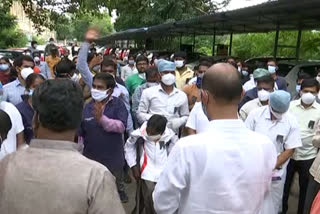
(150, 146)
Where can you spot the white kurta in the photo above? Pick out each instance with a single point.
(227, 169)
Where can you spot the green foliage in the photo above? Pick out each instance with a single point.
(10, 36)
(77, 25)
(261, 44)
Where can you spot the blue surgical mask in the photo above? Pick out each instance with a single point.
(245, 73)
(4, 67)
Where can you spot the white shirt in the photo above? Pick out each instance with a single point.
(127, 71)
(309, 120)
(153, 156)
(10, 144)
(250, 84)
(248, 107)
(226, 169)
(173, 106)
(284, 133)
(197, 119)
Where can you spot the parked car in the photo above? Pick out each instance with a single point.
(309, 67)
(11, 54)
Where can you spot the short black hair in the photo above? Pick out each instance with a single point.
(205, 63)
(272, 60)
(304, 75)
(306, 83)
(130, 56)
(6, 59)
(64, 67)
(59, 104)
(265, 79)
(224, 83)
(19, 61)
(142, 58)
(157, 124)
(108, 62)
(34, 42)
(181, 54)
(91, 55)
(5, 125)
(151, 72)
(51, 39)
(31, 78)
(107, 78)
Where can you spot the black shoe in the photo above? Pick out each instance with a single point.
(123, 197)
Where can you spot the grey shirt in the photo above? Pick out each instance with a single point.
(12, 92)
(53, 177)
(45, 70)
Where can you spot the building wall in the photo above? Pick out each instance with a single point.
(25, 24)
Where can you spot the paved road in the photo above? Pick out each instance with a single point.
(293, 199)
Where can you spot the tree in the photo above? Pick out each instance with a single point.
(76, 25)
(132, 13)
(10, 36)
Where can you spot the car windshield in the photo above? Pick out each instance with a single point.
(284, 69)
(311, 69)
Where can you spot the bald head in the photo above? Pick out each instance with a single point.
(223, 82)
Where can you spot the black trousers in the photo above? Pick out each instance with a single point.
(313, 189)
(302, 167)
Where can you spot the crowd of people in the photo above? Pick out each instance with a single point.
(221, 138)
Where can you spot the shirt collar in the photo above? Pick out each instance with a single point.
(54, 144)
(314, 104)
(175, 90)
(230, 123)
(17, 82)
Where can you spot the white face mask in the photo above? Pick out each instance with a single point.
(271, 69)
(263, 95)
(201, 75)
(168, 79)
(99, 95)
(179, 63)
(25, 72)
(318, 79)
(308, 98)
(245, 73)
(153, 138)
(278, 116)
(131, 62)
(239, 69)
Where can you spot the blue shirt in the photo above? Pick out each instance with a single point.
(281, 83)
(27, 115)
(12, 92)
(100, 145)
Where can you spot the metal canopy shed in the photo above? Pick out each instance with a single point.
(270, 16)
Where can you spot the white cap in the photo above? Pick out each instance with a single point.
(26, 72)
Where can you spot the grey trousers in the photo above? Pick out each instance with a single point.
(147, 190)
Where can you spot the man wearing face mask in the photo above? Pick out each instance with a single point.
(12, 91)
(139, 78)
(281, 83)
(165, 99)
(282, 128)
(33, 47)
(49, 46)
(226, 169)
(193, 90)
(102, 128)
(5, 66)
(253, 93)
(265, 86)
(183, 73)
(43, 66)
(307, 111)
(156, 141)
(301, 76)
(152, 80)
(128, 69)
